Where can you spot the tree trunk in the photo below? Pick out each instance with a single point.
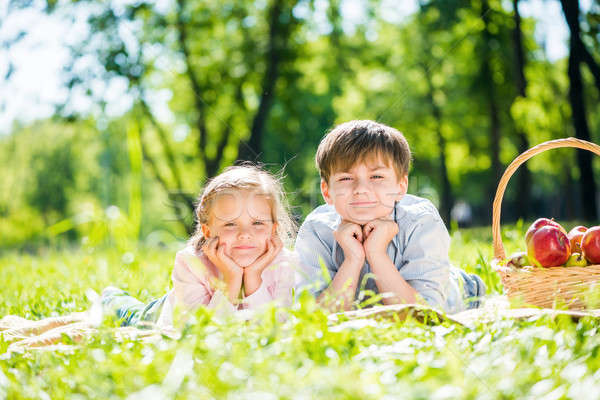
(524, 175)
(446, 199)
(492, 105)
(577, 101)
(252, 148)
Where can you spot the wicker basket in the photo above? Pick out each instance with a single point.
(542, 287)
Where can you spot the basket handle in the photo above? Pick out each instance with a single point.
(510, 170)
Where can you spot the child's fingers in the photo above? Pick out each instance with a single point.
(276, 245)
(368, 228)
(210, 245)
(221, 249)
(357, 233)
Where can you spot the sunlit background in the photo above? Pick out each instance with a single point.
(117, 112)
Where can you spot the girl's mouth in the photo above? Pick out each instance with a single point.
(244, 247)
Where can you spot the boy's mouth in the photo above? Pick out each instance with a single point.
(363, 203)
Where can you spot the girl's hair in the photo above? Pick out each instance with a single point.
(251, 178)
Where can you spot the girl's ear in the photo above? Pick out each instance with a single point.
(205, 230)
(274, 229)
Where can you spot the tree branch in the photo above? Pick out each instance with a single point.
(212, 164)
(195, 82)
(164, 142)
(249, 150)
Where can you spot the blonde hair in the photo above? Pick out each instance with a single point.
(251, 178)
(356, 141)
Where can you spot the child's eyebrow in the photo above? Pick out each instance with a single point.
(378, 167)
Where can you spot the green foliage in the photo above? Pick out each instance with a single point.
(301, 356)
(196, 73)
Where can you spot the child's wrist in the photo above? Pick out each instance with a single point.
(354, 263)
(233, 289)
(376, 256)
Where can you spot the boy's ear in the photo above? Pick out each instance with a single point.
(403, 181)
(274, 230)
(325, 191)
(205, 230)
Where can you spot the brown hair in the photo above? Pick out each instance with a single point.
(245, 177)
(355, 141)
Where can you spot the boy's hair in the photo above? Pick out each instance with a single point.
(356, 141)
(247, 177)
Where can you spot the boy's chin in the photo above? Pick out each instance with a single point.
(364, 217)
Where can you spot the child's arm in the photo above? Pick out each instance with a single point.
(378, 235)
(232, 273)
(341, 290)
(253, 273)
(426, 265)
(276, 282)
(192, 283)
(314, 246)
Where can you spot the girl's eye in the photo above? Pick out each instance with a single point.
(258, 223)
(229, 224)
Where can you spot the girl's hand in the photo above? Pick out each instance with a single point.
(232, 273)
(253, 272)
(274, 246)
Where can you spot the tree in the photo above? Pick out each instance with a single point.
(524, 177)
(577, 54)
(228, 58)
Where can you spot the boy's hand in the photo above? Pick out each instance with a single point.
(232, 273)
(350, 238)
(378, 234)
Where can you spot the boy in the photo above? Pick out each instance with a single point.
(371, 226)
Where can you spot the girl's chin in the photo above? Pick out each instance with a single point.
(244, 261)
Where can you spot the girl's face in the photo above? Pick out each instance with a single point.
(243, 222)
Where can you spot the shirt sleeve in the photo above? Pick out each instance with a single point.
(190, 280)
(426, 266)
(317, 267)
(277, 283)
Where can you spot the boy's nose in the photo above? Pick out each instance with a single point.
(360, 186)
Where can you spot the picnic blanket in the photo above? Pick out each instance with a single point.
(493, 308)
(60, 333)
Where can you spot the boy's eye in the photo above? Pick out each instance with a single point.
(229, 224)
(377, 177)
(344, 178)
(258, 223)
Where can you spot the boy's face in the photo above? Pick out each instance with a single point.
(366, 192)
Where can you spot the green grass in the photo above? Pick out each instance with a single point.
(301, 358)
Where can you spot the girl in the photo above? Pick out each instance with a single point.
(236, 258)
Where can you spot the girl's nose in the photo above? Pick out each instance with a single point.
(244, 233)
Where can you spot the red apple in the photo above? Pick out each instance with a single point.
(575, 235)
(548, 247)
(539, 223)
(590, 244)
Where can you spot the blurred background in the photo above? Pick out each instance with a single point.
(114, 113)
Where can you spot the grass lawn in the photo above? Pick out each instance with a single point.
(301, 358)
